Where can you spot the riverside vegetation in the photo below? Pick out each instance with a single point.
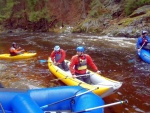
(105, 17)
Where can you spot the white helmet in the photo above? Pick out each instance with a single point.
(144, 32)
(56, 48)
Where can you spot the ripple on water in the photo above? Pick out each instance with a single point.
(139, 110)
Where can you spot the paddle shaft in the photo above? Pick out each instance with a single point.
(70, 77)
(141, 47)
(138, 52)
(107, 105)
(69, 98)
(2, 108)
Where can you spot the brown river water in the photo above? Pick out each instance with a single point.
(115, 57)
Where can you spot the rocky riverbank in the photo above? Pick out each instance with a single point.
(130, 26)
(102, 17)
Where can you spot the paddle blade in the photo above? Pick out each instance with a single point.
(44, 107)
(131, 61)
(42, 61)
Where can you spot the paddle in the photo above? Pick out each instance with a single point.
(45, 106)
(2, 108)
(107, 105)
(133, 60)
(140, 48)
(43, 61)
(70, 77)
(20, 48)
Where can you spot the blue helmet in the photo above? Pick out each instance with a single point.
(80, 49)
(56, 48)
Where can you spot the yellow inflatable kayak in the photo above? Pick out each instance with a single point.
(21, 56)
(104, 86)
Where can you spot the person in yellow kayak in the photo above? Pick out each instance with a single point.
(15, 50)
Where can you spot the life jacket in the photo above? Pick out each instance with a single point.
(58, 55)
(144, 40)
(11, 51)
(82, 65)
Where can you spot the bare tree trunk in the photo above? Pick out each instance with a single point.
(66, 6)
(83, 9)
(61, 12)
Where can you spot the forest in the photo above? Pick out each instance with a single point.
(96, 16)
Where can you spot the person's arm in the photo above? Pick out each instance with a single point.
(148, 39)
(72, 64)
(18, 51)
(91, 63)
(52, 55)
(12, 50)
(138, 44)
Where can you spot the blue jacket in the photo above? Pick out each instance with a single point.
(140, 42)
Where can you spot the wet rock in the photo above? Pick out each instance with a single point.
(3, 67)
(1, 85)
(140, 11)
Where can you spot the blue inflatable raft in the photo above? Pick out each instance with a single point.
(63, 99)
(144, 54)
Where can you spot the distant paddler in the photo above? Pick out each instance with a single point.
(142, 42)
(15, 49)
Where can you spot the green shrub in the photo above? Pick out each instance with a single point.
(32, 4)
(37, 15)
(96, 7)
(132, 5)
(6, 8)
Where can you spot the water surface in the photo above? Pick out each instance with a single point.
(115, 57)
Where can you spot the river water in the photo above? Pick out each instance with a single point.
(115, 57)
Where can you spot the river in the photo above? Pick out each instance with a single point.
(115, 57)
